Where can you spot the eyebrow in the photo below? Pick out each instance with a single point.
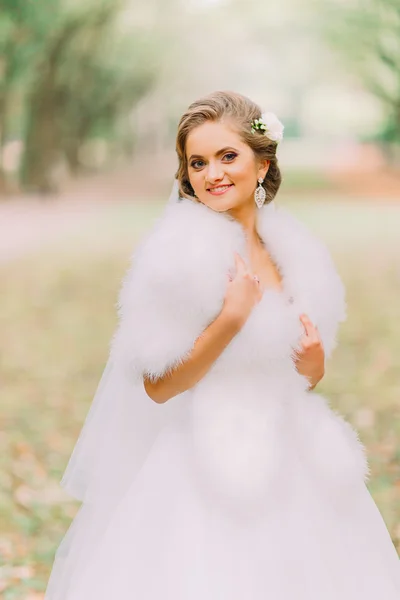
(217, 153)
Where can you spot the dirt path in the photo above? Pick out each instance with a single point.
(29, 223)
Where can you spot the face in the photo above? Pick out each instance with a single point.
(223, 170)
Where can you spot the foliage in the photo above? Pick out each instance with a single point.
(67, 74)
(366, 33)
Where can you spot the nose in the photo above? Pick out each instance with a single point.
(214, 173)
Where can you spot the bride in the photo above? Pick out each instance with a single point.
(208, 468)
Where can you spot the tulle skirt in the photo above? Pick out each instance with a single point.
(170, 537)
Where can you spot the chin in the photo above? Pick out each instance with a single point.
(219, 204)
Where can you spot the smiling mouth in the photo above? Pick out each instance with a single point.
(220, 189)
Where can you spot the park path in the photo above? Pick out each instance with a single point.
(29, 223)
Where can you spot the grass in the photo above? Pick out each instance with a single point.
(56, 320)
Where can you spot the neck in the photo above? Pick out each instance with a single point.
(247, 216)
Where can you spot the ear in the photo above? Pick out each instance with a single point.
(263, 168)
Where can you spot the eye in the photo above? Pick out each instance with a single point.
(195, 164)
(230, 156)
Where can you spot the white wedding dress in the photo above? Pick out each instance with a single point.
(247, 486)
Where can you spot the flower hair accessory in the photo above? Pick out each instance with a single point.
(269, 125)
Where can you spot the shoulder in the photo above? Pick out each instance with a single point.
(304, 256)
(184, 255)
(293, 237)
(309, 269)
(172, 290)
(187, 231)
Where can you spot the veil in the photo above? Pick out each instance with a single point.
(120, 428)
(174, 196)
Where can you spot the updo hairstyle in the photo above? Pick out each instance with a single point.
(241, 111)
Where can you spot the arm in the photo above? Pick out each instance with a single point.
(207, 348)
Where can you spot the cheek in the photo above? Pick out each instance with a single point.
(243, 174)
(196, 179)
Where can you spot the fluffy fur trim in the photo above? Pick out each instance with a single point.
(176, 284)
(330, 445)
(241, 409)
(308, 271)
(174, 288)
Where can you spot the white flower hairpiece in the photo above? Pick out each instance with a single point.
(269, 125)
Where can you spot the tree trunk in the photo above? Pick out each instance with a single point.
(41, 148)
(2, 133)
(73, 140)
(42, 143)
(6, 185)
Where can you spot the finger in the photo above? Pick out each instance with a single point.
(306, 344)
(294, 356)
(308, 326)
(321, 343)
(314, 337)
(239, 259)
(240, 264)
(297, 353)
(310, 341)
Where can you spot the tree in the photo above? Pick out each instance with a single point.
(75, 87)
(65, 62)
(23, 29)
(366, 33)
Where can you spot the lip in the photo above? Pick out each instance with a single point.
(216, 192)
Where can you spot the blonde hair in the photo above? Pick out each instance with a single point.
(241, 110)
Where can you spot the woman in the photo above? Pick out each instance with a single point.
(208, 469)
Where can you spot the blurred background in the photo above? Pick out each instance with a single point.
(90, 95)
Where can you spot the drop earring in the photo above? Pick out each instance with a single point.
(260, 194)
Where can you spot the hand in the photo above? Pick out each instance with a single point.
(310, 360)
(243, 292)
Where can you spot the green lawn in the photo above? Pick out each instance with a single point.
(56, 320)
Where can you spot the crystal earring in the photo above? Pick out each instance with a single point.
(260, 194)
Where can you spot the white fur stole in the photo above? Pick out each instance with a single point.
(177, 282)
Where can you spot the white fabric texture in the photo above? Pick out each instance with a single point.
(245, 486)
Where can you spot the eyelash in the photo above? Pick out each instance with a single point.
(225, 155)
